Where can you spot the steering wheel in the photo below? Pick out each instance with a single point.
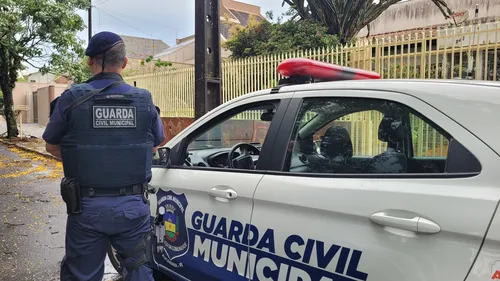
(245, 160)
(187, 161)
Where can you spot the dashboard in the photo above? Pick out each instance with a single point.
(214, 157)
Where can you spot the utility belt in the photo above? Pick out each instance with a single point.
(72, 193)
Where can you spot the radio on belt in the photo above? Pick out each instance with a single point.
(302, 70)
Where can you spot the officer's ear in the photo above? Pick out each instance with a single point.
(125, 61)
(90, 62)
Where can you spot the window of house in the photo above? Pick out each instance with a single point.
(365, 136)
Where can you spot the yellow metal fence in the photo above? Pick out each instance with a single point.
(457, 52)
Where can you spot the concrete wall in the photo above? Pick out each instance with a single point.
(19, 94)
(423, 13)
(44, 96)
(43, 104)
(134, 67)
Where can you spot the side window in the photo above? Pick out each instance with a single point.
(246, 127)
(366, 136)
(427, 141)
(358, 124)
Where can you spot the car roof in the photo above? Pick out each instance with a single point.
(474, 104)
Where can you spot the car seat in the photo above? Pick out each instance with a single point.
(336, 152)
(390, 130)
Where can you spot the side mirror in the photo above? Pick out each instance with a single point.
(164, 157)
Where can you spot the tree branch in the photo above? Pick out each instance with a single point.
(37, 67)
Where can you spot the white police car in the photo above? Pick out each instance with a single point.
(331, 182)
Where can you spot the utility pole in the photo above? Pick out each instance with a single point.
(207, 57)
(90, 20)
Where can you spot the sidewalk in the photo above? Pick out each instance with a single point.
(32, 137)
(28, 130)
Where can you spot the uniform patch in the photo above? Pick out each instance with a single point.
(114, 116)
(176, 240)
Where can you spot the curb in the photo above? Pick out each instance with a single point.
(48, 155)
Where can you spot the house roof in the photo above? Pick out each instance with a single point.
(174, 48)
(139, 47)
(224, 29)
(177, 47)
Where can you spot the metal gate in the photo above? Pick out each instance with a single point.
(35, 107)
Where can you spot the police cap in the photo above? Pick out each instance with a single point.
(101, 42)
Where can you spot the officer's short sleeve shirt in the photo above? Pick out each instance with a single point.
(58, 123)
(157, 127)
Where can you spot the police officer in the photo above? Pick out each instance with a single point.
(105, 132)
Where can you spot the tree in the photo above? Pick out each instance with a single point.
(347, 17)
(75, 69)
(32, 30)
(267, 37)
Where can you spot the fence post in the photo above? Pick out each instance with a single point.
(423, 55)
(377, 55)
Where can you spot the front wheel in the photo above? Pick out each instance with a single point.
(117, 263)
(115, 259)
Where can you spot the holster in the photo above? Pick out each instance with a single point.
(70, 192)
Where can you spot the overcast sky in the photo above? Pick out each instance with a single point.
(159, 19)
(163, 19)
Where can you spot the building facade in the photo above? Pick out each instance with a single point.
(416, 15)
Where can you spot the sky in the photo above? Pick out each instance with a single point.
(159, 19)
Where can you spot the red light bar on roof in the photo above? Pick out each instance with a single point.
(300, 67)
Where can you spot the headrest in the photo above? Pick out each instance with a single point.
(391, 129)
(336, 142)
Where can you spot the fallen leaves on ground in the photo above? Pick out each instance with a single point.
(38, 163)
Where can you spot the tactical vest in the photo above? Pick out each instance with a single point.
(109, 139)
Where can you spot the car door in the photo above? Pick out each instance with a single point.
(387, 222)
(204, 206)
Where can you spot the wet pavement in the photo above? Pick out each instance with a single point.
(33, 217)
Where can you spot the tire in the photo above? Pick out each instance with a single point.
(116, 260)
(117, 263)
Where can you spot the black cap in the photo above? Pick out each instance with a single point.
(101, 42)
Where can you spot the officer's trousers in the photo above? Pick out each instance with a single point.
(122, 220)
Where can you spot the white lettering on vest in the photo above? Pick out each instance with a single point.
(114, 116)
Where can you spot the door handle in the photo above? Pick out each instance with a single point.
(405, 220)
(223, 192)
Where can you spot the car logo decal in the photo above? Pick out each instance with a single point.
(176, 243)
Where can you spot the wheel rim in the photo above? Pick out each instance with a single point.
(116, 260)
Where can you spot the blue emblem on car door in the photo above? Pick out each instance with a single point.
(176, 240)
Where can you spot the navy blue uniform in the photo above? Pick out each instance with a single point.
(106, 145)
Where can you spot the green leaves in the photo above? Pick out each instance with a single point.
(158, 63)
(268, 38)
(346, 18)
(39, 29)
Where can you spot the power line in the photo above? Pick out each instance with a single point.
(102, 2)
(155, 22)
(132, 25)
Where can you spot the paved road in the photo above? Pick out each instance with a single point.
(33, 215)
